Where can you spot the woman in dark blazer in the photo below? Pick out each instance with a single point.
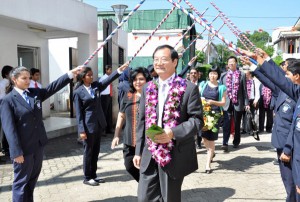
(129, 114)
(90, 119)
(22, 122)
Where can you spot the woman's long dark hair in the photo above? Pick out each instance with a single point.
(81, 75)
(133, 75)
(14, 73)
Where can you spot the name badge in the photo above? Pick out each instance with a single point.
(286, 108)
(297, 126)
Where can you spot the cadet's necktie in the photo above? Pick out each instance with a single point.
(92, 92)
(26, 97)
(35, 84)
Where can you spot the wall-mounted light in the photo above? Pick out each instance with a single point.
(38, 29)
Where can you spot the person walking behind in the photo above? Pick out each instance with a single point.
(129, 113)
(22, 122)
(236, 101)
(3, 85)
(106, 100)
(35, 77)
(215, 96)
(90, 119)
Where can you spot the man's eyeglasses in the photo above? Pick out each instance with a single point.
(163, 60)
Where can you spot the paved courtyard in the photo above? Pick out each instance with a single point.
(243, 174)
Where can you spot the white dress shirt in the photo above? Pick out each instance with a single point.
(3, 84)
(162, 96)
(32, 84)
(107, 89)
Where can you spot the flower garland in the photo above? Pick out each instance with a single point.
(161, 152)
(249, 86)
(267, 95)
(232, 84)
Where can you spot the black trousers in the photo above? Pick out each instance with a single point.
(128, 154)
(106, 102)
(91, 149)
(262, 114)
(237, 115)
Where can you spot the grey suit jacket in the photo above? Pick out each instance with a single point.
(184, 159)
(242, 93)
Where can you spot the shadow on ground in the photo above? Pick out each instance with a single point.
(192, 195)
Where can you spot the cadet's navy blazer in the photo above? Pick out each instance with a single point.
(23, 123)
(89, 114)
(284, 109)
(293, 91)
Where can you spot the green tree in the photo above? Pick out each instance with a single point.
(200, 56)
(278, 59)
(223, 54)
(260, 39)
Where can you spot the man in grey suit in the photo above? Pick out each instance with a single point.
(163, 182)
(235, 103)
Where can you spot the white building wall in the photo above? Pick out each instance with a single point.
(59, 19)
(137, 38)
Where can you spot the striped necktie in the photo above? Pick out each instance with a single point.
(26, 97)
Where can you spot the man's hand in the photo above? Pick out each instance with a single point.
(83, 136)
(77, 70)
(255, 104)
(115, 142)
(298, 189)
(248, 53)
(19, 159)
(285, 158)
(124, 66)
(245, 60)
(192, 60)
(164, 137)
(137, 161)
(247, 107)
(261, 56)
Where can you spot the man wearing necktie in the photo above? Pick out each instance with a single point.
(22, 119)
(158, 182)
(35, 77)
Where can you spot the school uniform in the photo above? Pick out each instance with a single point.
(22, 122)
(292, 144)
(283, 108)
(91, 120)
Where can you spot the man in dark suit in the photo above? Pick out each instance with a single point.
(289, 139)
(22, 121)
(163, 182)
(235, 104)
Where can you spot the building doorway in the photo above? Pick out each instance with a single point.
(29, 57)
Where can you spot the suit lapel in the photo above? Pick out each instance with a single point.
(21, 100)
(31, 100)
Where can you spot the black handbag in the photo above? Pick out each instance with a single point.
(251, 126)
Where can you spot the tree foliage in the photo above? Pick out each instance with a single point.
(260, 39)
(200, 56)
(223, 55)
(278, 59)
